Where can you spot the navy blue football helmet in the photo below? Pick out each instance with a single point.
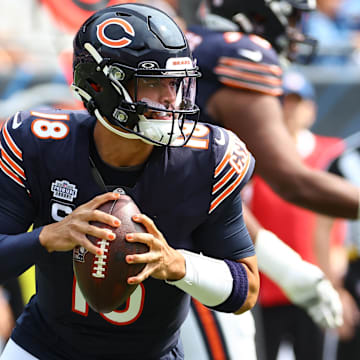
(277, 21)
(123, 46)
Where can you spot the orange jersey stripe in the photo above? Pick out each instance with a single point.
(10, 142)
(271, 69)
(265, 79)
(223, 162)
(223, 181)
(212, 334)
(9, 173)
(12, 163)
(254, 87)
(216, 202)
(224, 195)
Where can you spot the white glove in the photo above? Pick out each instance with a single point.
(303, 283)
(325, 308)
(315, 295)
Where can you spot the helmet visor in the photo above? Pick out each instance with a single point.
(168, 96)
(158, 101)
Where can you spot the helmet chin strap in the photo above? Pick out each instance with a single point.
(147, 129)
(84, 95)
(153, 129)
(119, 132)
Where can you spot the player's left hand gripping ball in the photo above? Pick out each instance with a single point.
(103, 278)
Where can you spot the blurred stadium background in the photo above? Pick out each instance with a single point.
(35, 58)
(35, 68)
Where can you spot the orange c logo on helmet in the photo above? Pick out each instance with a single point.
(115, 43)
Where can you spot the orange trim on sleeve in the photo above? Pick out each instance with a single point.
(247, 86)
(265, 79)
(223, 181)
(12, 146)
(12, 163)
(9, 173)
(214, 204)
(270, 68)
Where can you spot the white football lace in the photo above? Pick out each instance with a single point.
(100, 260)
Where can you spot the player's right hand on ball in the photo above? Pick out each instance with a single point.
(72, 230)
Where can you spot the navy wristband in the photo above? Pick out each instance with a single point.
(240, 289)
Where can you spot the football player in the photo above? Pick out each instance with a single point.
(240, 90)
(135, 74)
(240, 50)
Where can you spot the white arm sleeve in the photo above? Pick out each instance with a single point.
(206, 279)
(284, 266)
(304, 283)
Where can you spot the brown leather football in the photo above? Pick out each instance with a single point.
(103, 278)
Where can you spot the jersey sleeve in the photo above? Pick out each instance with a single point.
(11, 161)
(234, 165)
(224, 234)
(18, 249)
(249, 62)
(15, 194)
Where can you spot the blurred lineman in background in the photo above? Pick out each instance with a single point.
(239, 90)
(281, 320)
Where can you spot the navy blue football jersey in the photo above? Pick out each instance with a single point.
(189, 192)
(240, 61)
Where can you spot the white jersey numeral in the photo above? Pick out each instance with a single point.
(131, 313)
(45, 129)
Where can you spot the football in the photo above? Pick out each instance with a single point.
(103, 278)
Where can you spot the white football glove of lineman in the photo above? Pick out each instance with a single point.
(303, 283)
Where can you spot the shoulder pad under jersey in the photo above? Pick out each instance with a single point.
(249, 62)
(238, 60)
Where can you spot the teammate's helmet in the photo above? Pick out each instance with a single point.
(119, 47)
(275, 20)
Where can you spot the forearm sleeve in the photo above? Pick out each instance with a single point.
(219, 284)
(19, 252)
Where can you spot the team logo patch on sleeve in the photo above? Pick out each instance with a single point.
(64, 190)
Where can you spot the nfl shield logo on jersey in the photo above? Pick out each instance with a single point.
(64, 190)
(79, 253)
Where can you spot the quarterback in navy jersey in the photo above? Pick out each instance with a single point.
(58, 167)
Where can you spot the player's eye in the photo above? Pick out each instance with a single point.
(175, 83)
(150, 83)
